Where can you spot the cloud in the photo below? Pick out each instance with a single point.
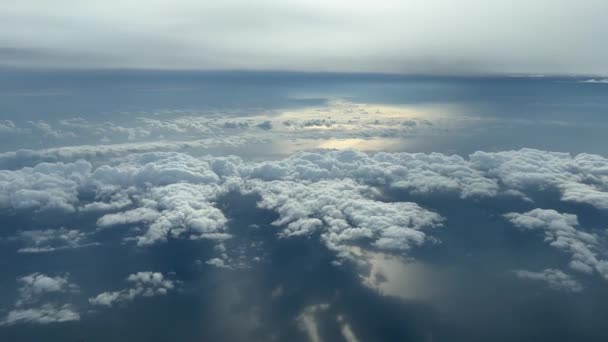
(596, 80)
(217, 262)
(37, 284)
(144, 284)
(46, 314)
(471, 36)
(136, 215)
(344, 215)
(561, 232)
(8, 127)
(50, 240)
(265, 125)
(185, 210)
(555, 279)
(47, 186)
(582, 178)
(333, 194)
(307, 321)
(22, 157)
(36, 288)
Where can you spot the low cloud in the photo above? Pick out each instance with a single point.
(561, 231)
(38, 300)
(555, 279)
(144, 284)
(50, 240)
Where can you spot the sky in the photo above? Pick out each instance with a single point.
(388, 36)
(307, 171)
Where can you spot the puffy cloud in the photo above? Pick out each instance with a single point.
(582, 178)
(217, 262)
(144, 284)
(331, 193)
(37, 284)
(116, 202)
(561, 232)
(23, 157)
(344, 215)
(46, 130)
(185, 210)
(51, 186)
(128, 217)
(8, 127)
(37, 287)
(420, 173)
(555, 279)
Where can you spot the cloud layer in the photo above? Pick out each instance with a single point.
(435, 36)
(337, 196)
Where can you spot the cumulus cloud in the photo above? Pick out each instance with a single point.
(560, 231)
(344, 215)
(143, 284)
(335, 194)
(582, 178)
(185, 210)
(37, 298)
(22, 157)
(37, 284)
(8, 127)
(217, 262)
(128, 217)
(555, 279)
(47, 186)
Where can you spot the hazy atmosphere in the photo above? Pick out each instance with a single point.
(413, 36)
(303, 171)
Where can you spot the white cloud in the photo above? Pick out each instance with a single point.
(333, 193)
(555, 279)
(144, 284)
(45, 186)
(136, 215)
(582, 178)
(36, 288)
(217, 262)
(561, 232)
(596, 80)
(37, 284)
(344, 215)
(184, 210)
